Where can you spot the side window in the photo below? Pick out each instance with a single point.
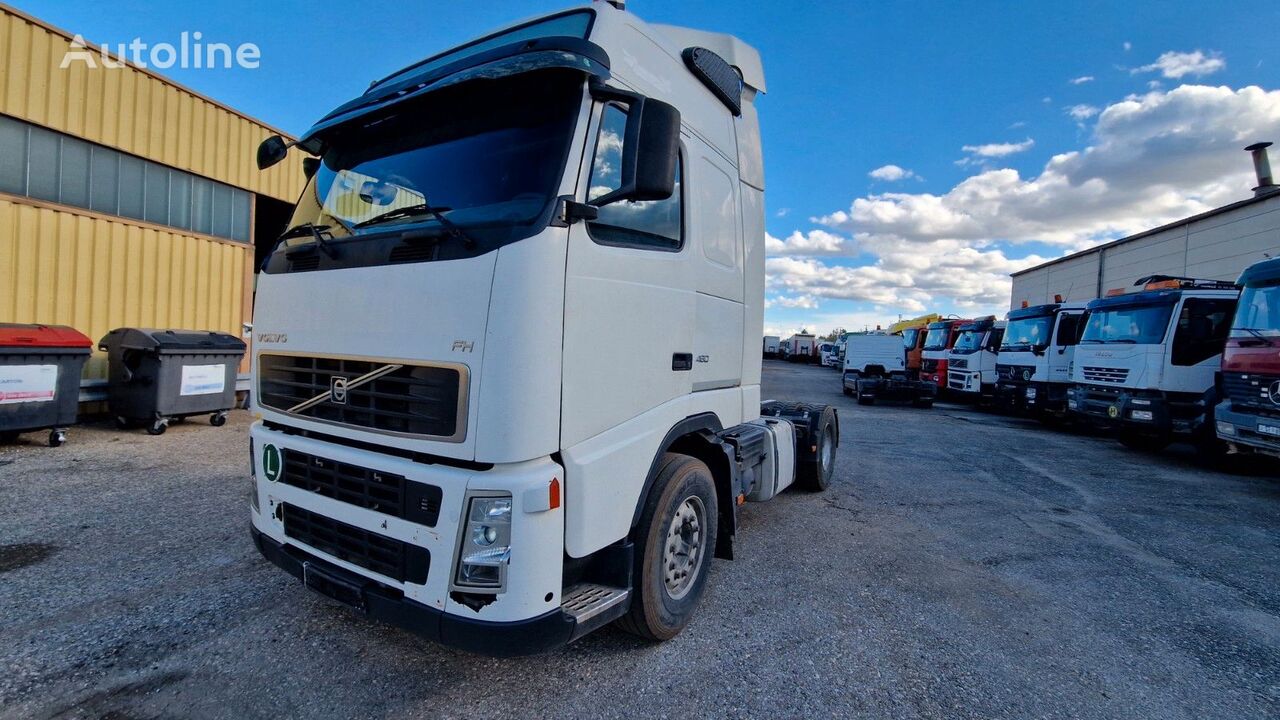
(1068, 329)
(1203, 325)
(997, 337)
(653, 224)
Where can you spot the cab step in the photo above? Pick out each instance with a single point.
(593, 605)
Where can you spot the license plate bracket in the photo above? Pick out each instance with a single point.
(337, 587)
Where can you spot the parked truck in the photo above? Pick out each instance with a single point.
(971, 363)
(771, 346)
(803, 348)
(1147, 360)
(914, 332)
(875, 367)
(439, 443)
(830, 354)
(1248, 416)
(938, 341)
(1033, 369)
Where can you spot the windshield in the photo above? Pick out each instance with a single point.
(1027, 333)
(1258, 312)
(969, 341)
(936, 339)
(487, 157)
(1133, 324)
(909, 338)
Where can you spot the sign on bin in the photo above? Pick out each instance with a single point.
(203, 379)
(27, 383)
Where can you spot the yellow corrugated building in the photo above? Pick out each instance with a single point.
(125, 198)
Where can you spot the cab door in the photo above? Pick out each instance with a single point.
(629, 296)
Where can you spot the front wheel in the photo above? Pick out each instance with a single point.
(674, 542)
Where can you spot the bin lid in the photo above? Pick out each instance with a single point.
(17, 335)
(173, 341)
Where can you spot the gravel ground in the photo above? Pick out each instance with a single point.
(962, 565)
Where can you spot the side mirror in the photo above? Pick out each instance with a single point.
(650, 148)
(309, 166)
(271, 151)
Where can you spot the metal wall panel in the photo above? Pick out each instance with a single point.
(96, 273)
(133, 110)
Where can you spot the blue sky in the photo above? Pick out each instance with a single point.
(854, 87)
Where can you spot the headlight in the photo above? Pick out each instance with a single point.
(1137, 401)
(1031, 393)
(1140, 414)
(486, 543)
(1071, 404)
(1226, 428)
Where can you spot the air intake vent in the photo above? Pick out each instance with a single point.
(413, 252)
(371, 551)
(1105, 374)
(375, 490)
(304, 261)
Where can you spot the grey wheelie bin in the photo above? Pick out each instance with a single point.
(40, 367)
(156, 376)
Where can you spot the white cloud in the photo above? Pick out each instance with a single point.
(814, 242)
(1127, 46)
(1154, 84)
(1081, 80)
(782, 212)
(1151, 159)
(980, 154)
(805, 302)
(891, 173)
(1175, 65)
(1080, 113)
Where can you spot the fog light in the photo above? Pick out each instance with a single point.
(1071, 404)
(486, 546)
(1031, 393)
(1139, 414)
(1226, 428)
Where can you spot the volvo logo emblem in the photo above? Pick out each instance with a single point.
(1273, 393)
(338, 390)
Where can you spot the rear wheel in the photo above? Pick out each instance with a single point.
(674, 542)
(864, 399)
(816, 476)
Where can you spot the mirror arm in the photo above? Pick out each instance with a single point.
(635, 111)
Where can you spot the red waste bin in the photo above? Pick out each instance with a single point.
(40, 367)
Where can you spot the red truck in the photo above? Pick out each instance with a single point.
(1248, 417)
(939, 340)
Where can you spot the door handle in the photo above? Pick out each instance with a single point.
(681, 361)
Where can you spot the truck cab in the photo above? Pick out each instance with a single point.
(771, 346)
(1147, 360)
(1033, 368)
(971, 363)
(829, 353)
(439, 444)
(938, 341)
(1248, 417)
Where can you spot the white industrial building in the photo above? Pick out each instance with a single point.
(1217, 244)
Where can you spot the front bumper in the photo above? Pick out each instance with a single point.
(892, 388)
(964, 381)
(380, 602)
(533, 573)
(1249, 431)
(1031, 397)
(1148, 411)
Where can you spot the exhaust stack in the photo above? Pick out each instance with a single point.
(1262, 168)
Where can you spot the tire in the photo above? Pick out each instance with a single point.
(157, 428)
(57, 438)
(848, 392)
(217, 419)
(680, 514)
(816, 476)
(864, 399)
(1143, 442)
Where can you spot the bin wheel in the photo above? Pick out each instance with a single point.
(123, 422)
(157, 427)
(57, 438)
(218, 419)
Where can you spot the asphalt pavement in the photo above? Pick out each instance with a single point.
(962, 565)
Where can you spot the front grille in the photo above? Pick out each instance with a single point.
(410, 399)
(955, 381)
(1250, 390)
(960, 363)
(371, 551)
(1010, 373)
(372, 489)
(1104, 374)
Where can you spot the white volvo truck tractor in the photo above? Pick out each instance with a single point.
(1033, 369)
(1147, 361)
(439, 444)
(971, 363)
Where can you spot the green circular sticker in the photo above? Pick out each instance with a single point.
(271, 462)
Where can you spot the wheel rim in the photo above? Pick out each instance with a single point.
(682, 554)
(827, 451)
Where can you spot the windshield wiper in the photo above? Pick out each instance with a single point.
(1258, 334)
(1126, 341)
(315, 231)
(424, 208)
